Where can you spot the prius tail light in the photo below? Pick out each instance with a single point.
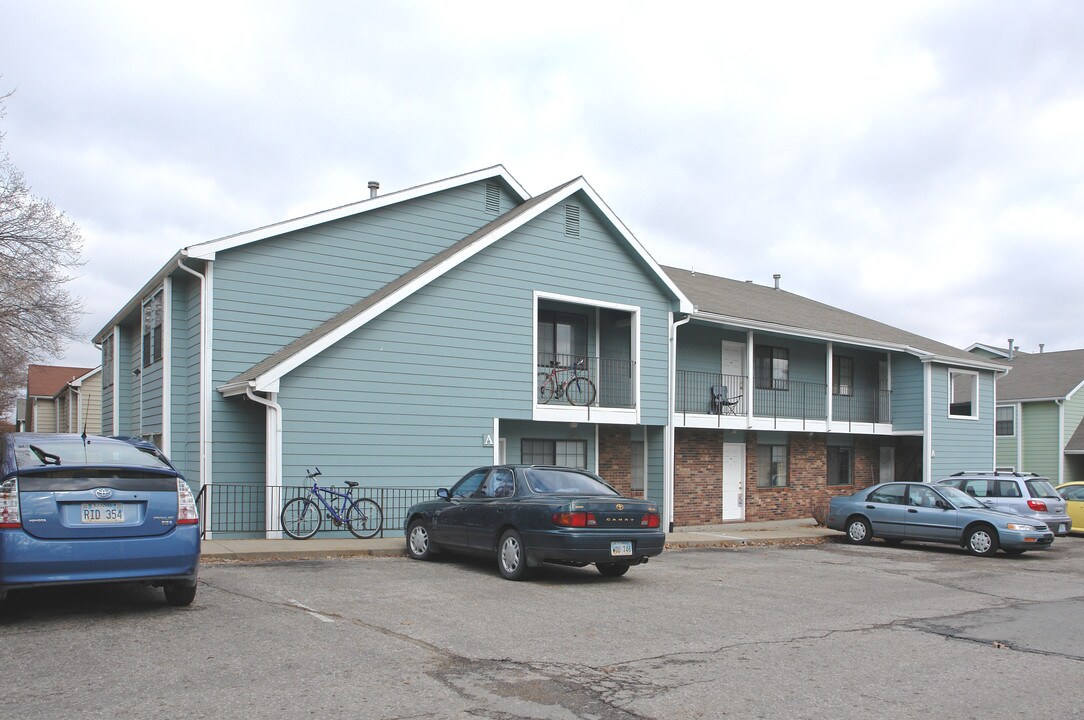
(575, 519)
(9, 505)
(1037, 505)
(187, 513)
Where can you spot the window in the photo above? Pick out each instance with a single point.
(500, 484)
(107, 362)
(566, 453)
(636, 469)
(771, 465)
(963, 394)
(152, 329)
(470, 485)
(562, 338)
(1005, 424)
(840, 465)
(772, 368)
(889, 494)
(842, 375)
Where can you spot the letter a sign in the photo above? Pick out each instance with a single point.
(487, 440)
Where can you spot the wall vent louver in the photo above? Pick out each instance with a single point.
(493, 198)
(572, 220)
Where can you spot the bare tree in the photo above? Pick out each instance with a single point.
(39, 247)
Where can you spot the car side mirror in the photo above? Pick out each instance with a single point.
(443, 494)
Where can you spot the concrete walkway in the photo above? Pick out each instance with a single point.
(779, 532)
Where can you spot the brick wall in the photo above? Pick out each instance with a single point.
(698, 476)
(615, 459)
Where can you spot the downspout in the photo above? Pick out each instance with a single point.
(1061, 440)
(927, 422)
(204, 382)
(272, 462)
(668, 440)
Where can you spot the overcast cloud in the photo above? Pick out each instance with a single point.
(919, 163)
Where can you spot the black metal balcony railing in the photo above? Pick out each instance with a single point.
(241, 509)
(699, 392)
(565, 380)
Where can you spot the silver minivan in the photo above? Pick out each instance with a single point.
(1025, 494)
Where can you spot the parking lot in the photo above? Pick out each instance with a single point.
(812, 631)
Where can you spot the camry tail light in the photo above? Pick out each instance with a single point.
(187, 513)
(650, 520)
(9, 504)
(1037, 505)
(575, 519)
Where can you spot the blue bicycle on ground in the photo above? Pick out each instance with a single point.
(302, 517)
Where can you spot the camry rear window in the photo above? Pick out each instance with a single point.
(565, 482)
(1041, 489)
(73, 451)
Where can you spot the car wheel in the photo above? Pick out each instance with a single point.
(419, 544)
(612, 569)
(859, 531)
(180, 593)
(512, 556)
(982, 540)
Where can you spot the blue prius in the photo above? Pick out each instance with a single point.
(86, 509)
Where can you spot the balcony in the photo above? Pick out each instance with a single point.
(580, 381)
(699, 393)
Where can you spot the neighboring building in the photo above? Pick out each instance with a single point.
(61, 399)
(403, 340)
(1040, 415)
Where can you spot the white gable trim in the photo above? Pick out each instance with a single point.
(207, 250)
(270, 379)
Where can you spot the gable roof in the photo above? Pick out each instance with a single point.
(207, 250)
(1043, 376)
(749, 305)
(265, 375)
(48, 380)
(1075, 446)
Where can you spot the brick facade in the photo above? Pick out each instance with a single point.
(698, 474)
(615, 459)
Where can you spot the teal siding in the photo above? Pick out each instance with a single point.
(271, 292)
(656, 464)
(1040, 439)
(407, 398)
(1074, 416)
(515, 433)
(128, 355)
(1006, 449)
(700, 347)
(960, 444)
(907, 393)
(184, 381)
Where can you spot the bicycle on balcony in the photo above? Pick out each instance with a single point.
(566, 382)
(302, 517)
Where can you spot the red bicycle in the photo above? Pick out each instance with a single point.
(566, 382)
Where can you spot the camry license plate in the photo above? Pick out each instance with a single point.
(101, 512)
(621, 547)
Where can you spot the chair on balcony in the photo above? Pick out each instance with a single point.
(722, 402)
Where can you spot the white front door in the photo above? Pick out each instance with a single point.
(733, 481)
(733, 359)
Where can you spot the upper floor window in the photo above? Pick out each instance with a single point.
(107, 362)
(1005, 423)
(842, 375)
(772, 368)
(562, 338)
(152, 329)
(963, 394)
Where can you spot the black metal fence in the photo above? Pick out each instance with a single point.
(610, 377)
(242, 509)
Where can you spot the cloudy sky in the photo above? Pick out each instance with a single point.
(917, 162)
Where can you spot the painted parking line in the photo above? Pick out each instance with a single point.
(310, 611)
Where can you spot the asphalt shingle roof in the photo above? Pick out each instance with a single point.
(760, 304)
(1042, 375)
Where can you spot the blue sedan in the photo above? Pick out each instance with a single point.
(526, 515)
(901, 511)
(85, 509)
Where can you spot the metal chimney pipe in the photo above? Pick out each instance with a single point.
(374, 186)
(1010, 348)
(776, 278)
(1041, 346)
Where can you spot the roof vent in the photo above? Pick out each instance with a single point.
(1010, 348)
(776, 277)
(572, 220)
(374, 187)
(1041, 346)
(493, 198)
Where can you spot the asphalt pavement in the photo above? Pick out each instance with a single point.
(778, 532)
